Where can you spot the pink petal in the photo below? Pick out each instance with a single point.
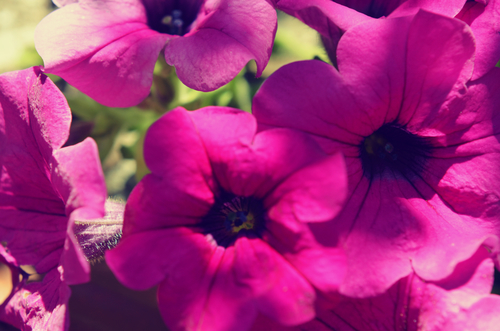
(324, 268)
(79, 180)
(208, 299)
(233, 33)
(34, 121)
(180, 189)
(178, 255)
(376, 245)
(285, 100)
(281, 292)
(414, 304)
(61, 3)
(483, 315)
(238, 281)
(442, 7)
(478, 195)
(321, 14)
(186, 160)
(484, 22)
(315, 193)
(46, 235)
(115, 65)
(243, 163)
(155, 204)
(423, 68)
(39, 305)
(475, 116)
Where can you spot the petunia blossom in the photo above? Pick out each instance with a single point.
(333, 18)
(462, 301)
(421, 144)
(220, 224)
(108, 49)
(43, 189)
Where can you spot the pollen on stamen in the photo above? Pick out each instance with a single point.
(232, 216)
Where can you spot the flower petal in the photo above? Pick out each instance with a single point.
(178, 255)
(397, 66)
(483, 18)
(115, 64)
(246, 164)
(233, 33)
(39, 305)
(285, 100)
(34, 121)
(315, 193)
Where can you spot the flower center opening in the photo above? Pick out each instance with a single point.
(393, 148)
(374, 8)
(232, 216)
(171, 17)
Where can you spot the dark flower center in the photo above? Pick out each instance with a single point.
(232, 216)
(173, 17)
(393, 148)
(373, 8)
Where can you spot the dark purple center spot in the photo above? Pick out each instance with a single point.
(393, 148)
(172, 17)
(232, 216)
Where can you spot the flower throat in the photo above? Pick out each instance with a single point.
(171, 16)
(393, 148)
(232, 216)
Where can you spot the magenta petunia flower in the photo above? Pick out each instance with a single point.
(333, 18)
(460, 302)
(219, 223)
(108, 49)
(421, 146)
(43, 189)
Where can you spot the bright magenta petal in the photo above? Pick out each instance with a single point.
(186, 159)
(284, 100)
(43, 188)
(442, 7)
(247, 164)
(34, 121)
(39, 305)
(420, 76)
(483, 19)
(415, 304)
(321, 15)
(105, 49)
(393, 222)
(297, 244)
(221, 45)
(483, 315)
(171, 254)
(281, 292)
(209, 299)
(78, 179)
(315, 193)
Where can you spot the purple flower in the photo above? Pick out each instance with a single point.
(108, 49)
(43, 189)
(421, 145)
(333, 18)
(219, 223)
(460, 302)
